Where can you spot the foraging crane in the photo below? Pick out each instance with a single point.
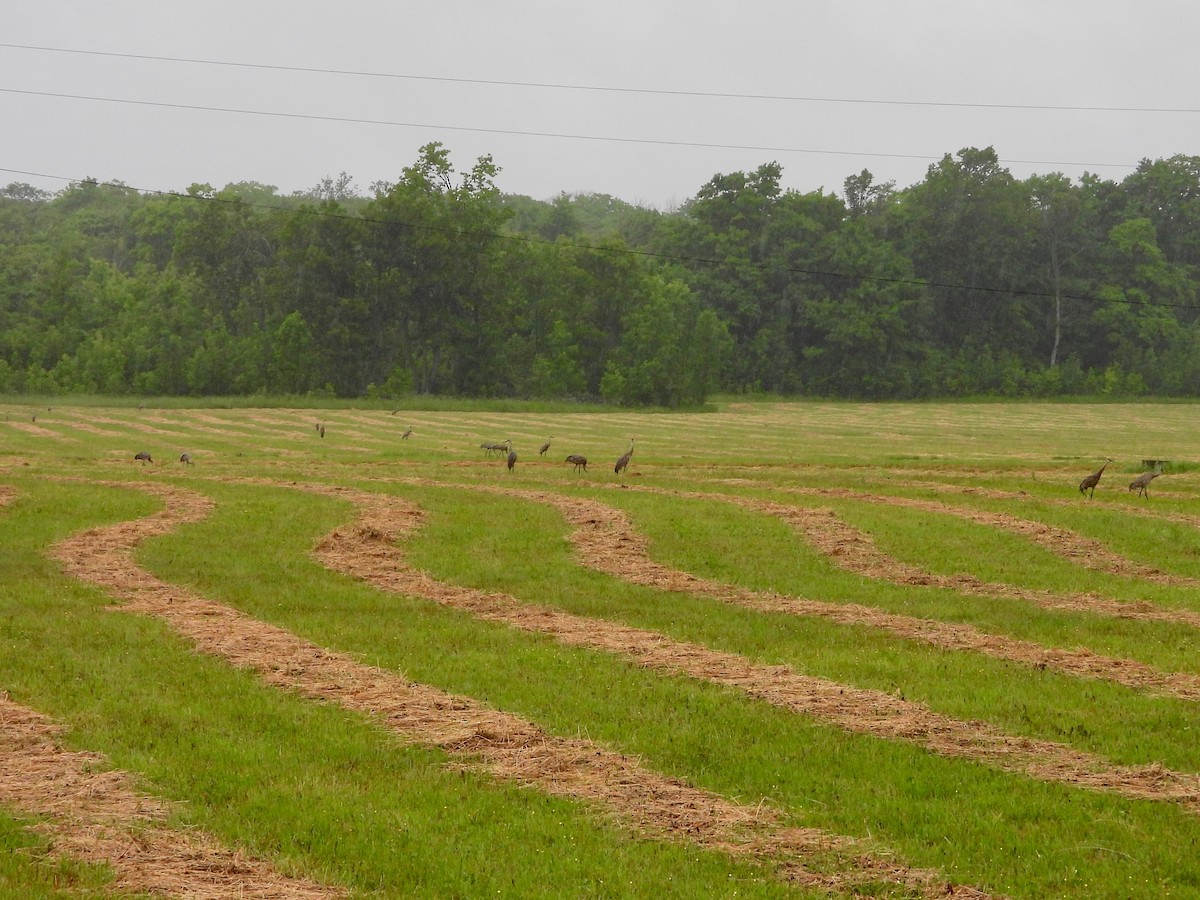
(1089, 483)
(579, 461)
(1142, 482)
(144, 457)
(185, 458)
(623, 461)
(404, 437)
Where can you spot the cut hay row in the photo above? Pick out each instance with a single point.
(1062, 542)
(854, 551)
(498, 743)
(92, 813)
(606, 541)
(367, 549)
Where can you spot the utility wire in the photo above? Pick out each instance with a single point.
(645, 254)
(539, 134)
(605, 88)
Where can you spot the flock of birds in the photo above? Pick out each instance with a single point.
(1087, 487)
(579, 462)
(505, 447)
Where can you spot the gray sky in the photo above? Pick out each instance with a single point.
(925, 56)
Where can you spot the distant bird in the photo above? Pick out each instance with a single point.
(185, 458)
(321, 430)
(623, 462)
(404, 437)
(34, 419)
(316, 426)
(144, 457)
(1142, 482)
(579, 461)
(546, 446)
(489, 448)
(393, 412)
(512, 458)
(1089, 483)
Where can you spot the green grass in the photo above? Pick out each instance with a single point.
(328, 794)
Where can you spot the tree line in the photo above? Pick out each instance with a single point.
(968, 283)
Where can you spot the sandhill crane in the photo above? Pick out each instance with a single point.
(1142, 482)
(185, 458)
(144, 457)
(580, 462)
(404, 437)
(623, 462)
(489, 448)
(321, 430)
(1089, 483)
(546, 446)
(512, 458)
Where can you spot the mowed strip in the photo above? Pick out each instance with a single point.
(854, 551)
(367, 549)
(96, 815)
(1084, 552)
(501, 744)
(606, 541)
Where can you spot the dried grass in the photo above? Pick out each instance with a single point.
(95, 814)
(495, 742)
(606, 540)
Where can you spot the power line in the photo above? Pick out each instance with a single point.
(645, 254)
(539, 134)
(606, 88)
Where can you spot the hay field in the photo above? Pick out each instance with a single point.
(794, 650)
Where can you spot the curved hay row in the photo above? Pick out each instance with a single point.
(1063, 542)
(855, 551)
(606, 541)
(851, 549)
(501, 744)
(367, 550)
(99, 817)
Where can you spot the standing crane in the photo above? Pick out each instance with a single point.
(405, 436)
(512, 456)
(623, 461)
(546, 446)
(1089, 483)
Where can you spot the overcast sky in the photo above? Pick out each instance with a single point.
(827, 89)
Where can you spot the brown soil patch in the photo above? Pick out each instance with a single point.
(96, 815)
(367, 549)
(495, 742)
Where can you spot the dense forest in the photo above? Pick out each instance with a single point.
(968, 283)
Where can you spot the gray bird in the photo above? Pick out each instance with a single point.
(1142, 482)
(144, 457)
(623, 462)
(185, 458)
(580, 462)
(1089, 483)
